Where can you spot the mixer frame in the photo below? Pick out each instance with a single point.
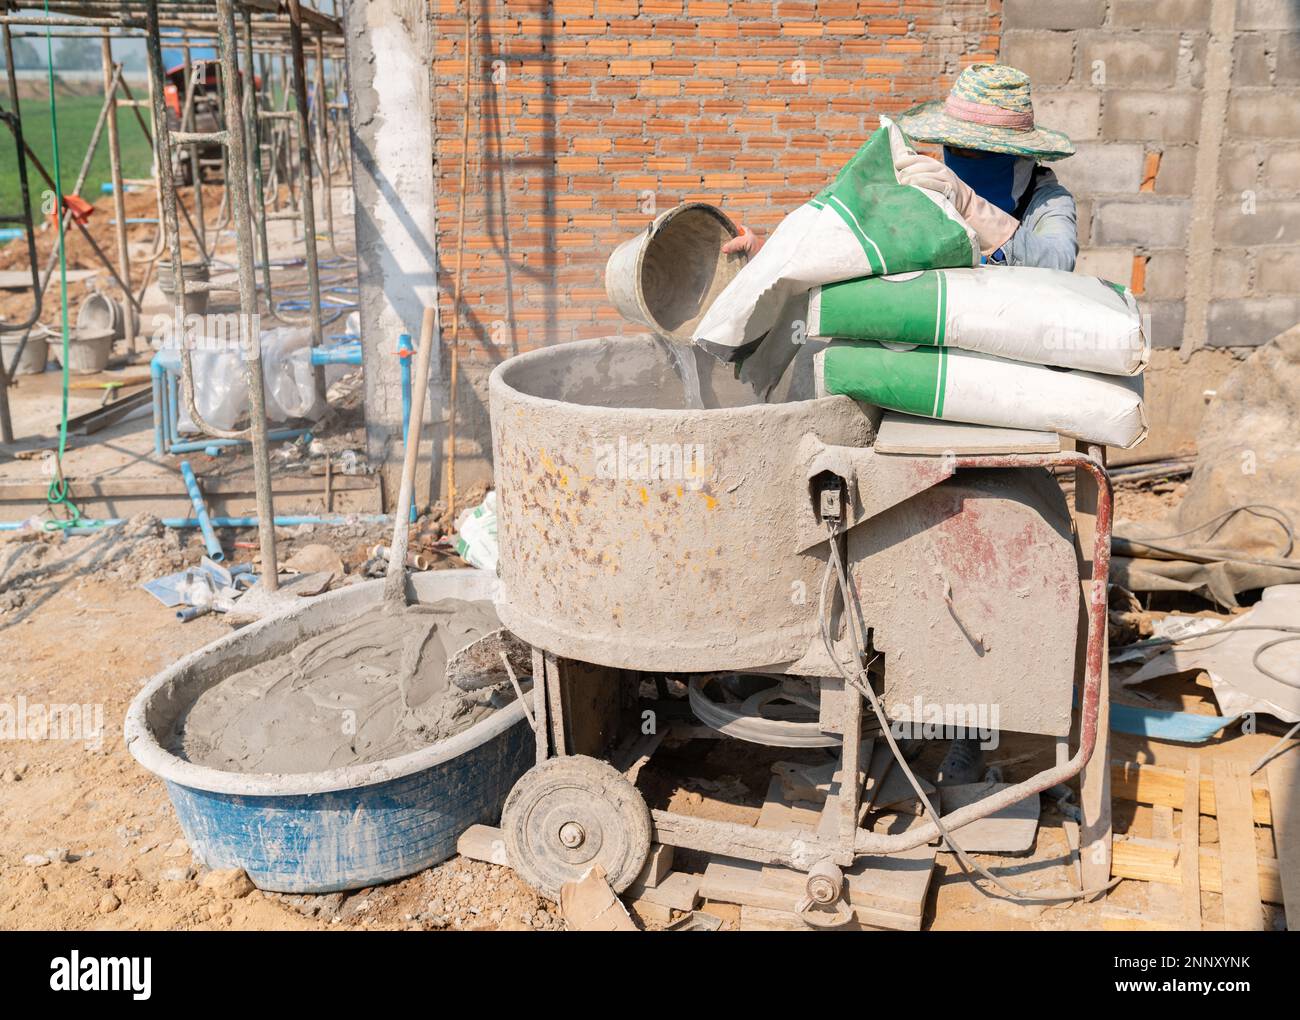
(576, 714)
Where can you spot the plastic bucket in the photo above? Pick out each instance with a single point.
(667, 276)
(196, 302)
(346, 828)
(35, 355)
(100, 312)
(88, 352)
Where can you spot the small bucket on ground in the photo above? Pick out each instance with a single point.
(196, 301)
(99, 312)
(667, 276)
(35, 353)
(88, 350)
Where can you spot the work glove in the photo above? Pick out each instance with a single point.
(992, 226)
(746, 242)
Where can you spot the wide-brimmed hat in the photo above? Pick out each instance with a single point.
(990, 109)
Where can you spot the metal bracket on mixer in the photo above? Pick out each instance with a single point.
(874, 482)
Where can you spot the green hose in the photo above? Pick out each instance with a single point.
(58, 495)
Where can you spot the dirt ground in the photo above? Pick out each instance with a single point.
(88, 839)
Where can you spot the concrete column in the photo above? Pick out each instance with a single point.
(389, 59)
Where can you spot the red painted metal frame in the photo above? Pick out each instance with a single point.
(875, 843)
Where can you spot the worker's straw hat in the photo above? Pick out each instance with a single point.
(989, 109)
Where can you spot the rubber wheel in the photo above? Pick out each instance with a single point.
(569, 814)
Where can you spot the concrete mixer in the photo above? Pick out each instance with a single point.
(801, 542)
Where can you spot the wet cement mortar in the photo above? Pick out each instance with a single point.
(373, 689)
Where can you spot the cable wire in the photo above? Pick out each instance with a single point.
(861, 682)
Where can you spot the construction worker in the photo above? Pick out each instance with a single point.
(992, 173)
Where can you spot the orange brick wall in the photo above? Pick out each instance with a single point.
(589, 116)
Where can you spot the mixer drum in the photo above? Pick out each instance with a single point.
(641, 534)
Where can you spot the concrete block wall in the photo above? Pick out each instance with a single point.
(1186, 116)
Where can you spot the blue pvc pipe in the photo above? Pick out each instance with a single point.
(197, 445)
(89, 527)
(339, 354)
(280, 521)
(215, 552)
(404, 345)
(156, 381)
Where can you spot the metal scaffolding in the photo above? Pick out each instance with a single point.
(261, 148)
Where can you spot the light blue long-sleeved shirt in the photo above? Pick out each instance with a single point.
(1048, 235)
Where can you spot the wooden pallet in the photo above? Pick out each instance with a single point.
(1238, 868)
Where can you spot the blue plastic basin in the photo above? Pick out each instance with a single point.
(345, 828)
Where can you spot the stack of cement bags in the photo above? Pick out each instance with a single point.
(910, 321)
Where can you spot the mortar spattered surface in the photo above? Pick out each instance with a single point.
(372, 689)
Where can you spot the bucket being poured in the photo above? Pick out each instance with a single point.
(667, 276)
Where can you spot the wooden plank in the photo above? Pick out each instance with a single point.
(1113, 919)
(680, 890)
(1151, 784)
(906, 433)
(1165, 902)
(657, 866)
(753, 885)
(1282, 777)
(1190, 853)
(763, 919)
(483, 843)
(1009, 831)
(1237, 853)
(1148, 861)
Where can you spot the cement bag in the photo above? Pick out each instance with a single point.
(956, 385)
(864, 224)
(1043, 316)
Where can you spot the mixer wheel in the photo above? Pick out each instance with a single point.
(569, 814)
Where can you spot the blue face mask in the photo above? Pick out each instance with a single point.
(992, 177)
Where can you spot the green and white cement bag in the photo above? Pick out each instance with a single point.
(863, 224)
(1043, 316)
(957, 385)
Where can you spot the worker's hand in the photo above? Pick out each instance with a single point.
(928, 173)
(746, 242)
(992, 226)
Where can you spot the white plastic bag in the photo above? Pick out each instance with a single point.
(221, 390)
(476, 538)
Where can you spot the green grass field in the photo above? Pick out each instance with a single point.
(77, 116)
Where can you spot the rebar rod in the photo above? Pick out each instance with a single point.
(115, 175)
